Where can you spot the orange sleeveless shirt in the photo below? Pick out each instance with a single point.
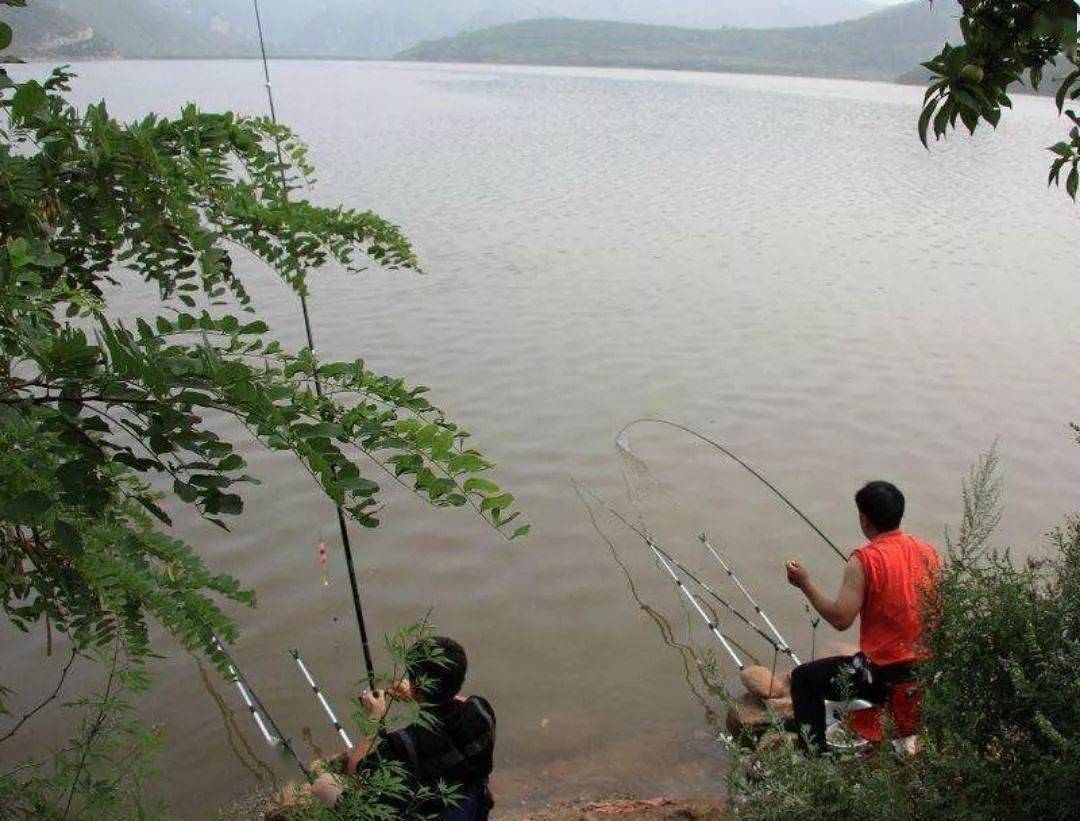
(898, 568)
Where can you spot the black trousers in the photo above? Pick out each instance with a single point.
(834, 679)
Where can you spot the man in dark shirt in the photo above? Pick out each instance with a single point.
(453, 741)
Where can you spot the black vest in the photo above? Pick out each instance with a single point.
(458, 748)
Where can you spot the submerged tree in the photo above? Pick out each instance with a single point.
(101, 417)
(1006, 41)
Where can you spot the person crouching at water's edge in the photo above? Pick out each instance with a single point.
(884, 584)
(452, 742)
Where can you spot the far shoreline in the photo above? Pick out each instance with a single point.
(899, 82)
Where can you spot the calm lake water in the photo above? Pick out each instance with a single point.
(774, 261)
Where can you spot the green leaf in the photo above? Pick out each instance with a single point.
(1062, 150)
(26, 507)
(68, 538)
(187, 493)
(942, 119)
(467, 463)
(1072, 182)
(29, 97)
(970, 118)
(500, 502)
(234, 461)
(966, 100)
(1055, 170)
(924, 121)
(50, 259)
(1063, 89)
(359, 486)
(481, 486)
(231, 504)
(5, 35)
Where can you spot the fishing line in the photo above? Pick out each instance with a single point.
(255, 707)
(687, 654)
(665, 560)
(686, 571)
(342, 525)
(232, 731)
(620, 442)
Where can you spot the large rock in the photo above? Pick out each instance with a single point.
(747, 713)
(760, 682)
(781, 706)
(783, 681)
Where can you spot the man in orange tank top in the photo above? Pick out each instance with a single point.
(884, 584)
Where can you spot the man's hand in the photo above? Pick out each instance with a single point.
(375, 704)
(352, 758)
(797, 575)
(402, 691)
(326, 790)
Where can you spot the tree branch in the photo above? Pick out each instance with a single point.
(95, 729)
(42, 705)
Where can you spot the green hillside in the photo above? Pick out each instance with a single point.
(882, 45)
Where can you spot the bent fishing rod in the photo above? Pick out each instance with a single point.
(785, 645)
(255, 707)
(666, 561)
(776, 491)
(342, 524)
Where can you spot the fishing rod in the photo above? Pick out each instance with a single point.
(322, 699)
(780, 648)
(255, 706)
(667, 560)
(713, 626)
(342, 525)
(785, 646)
(742, 464)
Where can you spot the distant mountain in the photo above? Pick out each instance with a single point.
(144, 28)
(118, 28)
(381, 28)
(882, 45)
(45, 32)
(282, 20)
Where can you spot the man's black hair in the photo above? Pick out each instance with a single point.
(436, 667)
(882, 503)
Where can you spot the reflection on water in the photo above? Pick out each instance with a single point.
(775, 262)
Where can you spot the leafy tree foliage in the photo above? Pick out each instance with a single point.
(1006, 41)
(100, 416)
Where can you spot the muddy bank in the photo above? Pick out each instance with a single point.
(628, 809)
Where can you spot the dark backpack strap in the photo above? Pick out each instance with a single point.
(478, 703)
(409, 746)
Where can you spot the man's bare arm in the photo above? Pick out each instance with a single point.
(842, 611)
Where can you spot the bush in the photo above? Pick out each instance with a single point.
(1001, 698)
